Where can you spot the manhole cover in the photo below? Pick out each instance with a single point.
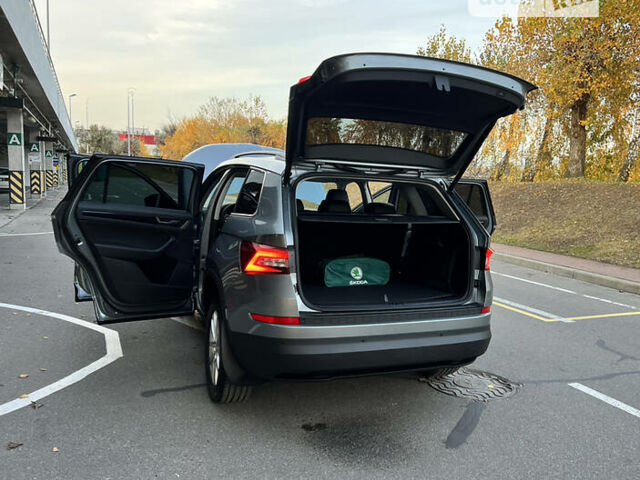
(473, 384)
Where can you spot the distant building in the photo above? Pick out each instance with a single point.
(145, 137)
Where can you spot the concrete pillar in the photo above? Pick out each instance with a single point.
(17, 161)
(56, 170)
(63, 169)
(35, 161)
(48, 161)
(43, 171)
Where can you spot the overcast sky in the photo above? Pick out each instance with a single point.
(178, 53)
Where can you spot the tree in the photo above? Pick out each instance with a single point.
(443, 45)
(97, 139)
(585, 65)
(225, 120)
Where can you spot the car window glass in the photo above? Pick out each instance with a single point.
(380, 191)
(312, 193)
(139, 184)
(354, 194)
(80, 166)
(249, 195)
(473, 196)
(231, 195)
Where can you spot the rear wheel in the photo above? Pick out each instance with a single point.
(220, 388)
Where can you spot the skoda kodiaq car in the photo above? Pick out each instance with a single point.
(358, 251)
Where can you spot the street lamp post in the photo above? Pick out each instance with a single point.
(70, 118)
(130, 117)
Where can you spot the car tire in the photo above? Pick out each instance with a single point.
(219, 387)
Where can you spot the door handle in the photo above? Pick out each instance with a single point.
(168, 221)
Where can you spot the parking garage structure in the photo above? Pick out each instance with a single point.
(35, 129)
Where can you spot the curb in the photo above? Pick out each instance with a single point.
(602, 280)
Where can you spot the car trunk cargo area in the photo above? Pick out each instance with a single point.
(429, 260)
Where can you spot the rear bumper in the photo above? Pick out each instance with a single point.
(322, 353)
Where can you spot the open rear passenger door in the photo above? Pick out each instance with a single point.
(131, 225)
(475, 194)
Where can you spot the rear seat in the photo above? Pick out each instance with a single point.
(379, 208)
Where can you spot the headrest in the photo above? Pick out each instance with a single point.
(377, 208)
(299, 205)
(337, 201)
(337, 195)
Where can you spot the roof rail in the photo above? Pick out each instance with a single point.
(278, 155)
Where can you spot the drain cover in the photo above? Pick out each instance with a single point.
(473, 384)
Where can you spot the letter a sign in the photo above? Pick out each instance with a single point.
(14, 139)
(34, 148)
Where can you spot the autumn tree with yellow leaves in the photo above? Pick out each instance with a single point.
(225, 120)
(585, 118)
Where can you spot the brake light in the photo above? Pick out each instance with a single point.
(276, 320)
(487, 259)
(259, 259)
(486, 309)
(304, 79)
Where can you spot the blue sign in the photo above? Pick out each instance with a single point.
(55, 161)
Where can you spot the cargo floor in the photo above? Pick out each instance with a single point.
(393, 293)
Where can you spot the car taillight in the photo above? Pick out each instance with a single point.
(304, 79)
(276, 320)
(487, 259)
(486, 309)
(259, 259)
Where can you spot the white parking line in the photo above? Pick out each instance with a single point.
(23, 234)
(112, 345)
(535, 311)
(564, 290)
(607, 399)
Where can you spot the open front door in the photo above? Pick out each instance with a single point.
(130, 224)
(475, 194)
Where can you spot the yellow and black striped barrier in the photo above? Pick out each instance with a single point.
(49, 179)
(16, 188)
(35, 182)
(55, 178)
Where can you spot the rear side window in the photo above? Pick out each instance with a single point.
(249, 195)
(140, 184)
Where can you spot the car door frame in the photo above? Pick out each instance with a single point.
(73, 242)
(73, 161)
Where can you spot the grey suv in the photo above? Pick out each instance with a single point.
(277, 251)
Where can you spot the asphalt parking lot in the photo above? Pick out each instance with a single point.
(134, 404)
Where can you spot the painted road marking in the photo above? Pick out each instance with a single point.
(530, 311)
(564, 290)
(605, 315)
(607, 399)
(23, 234)
(112, 345)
